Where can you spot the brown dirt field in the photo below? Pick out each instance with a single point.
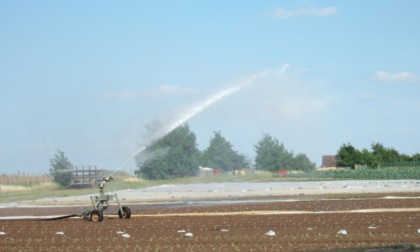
(304, 225)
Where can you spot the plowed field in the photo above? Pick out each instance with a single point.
(303, 225)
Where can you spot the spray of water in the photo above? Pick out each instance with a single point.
(196, 109)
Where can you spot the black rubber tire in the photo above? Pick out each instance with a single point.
(96, 216)
(126, 214)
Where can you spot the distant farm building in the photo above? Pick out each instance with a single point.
(240, 172)
(205, 171)
(282, 172)
(329, 161)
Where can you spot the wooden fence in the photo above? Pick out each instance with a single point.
(24, 179)
(80, 175)
(84, 176)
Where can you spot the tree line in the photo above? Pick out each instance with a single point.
(349, 156)
(177, 155)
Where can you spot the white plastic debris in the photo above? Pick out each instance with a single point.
(418, 230)
(60, 233)
(2, 233)
(310, 229)
(372, 227)
(120, 232)
(126, 236)
(224, 230)
(188, 234)
(181, 231)
(342, 232)
(270, 233)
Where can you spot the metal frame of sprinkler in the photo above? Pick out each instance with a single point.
(100, 204)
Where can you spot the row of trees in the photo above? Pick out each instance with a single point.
(348, 156)
(177, 155)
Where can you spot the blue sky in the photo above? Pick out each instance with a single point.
(86, 77)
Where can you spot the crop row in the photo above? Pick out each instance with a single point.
(380, 173)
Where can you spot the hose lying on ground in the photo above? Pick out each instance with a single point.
(59, 217)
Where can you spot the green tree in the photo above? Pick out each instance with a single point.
(348, 156)
(271, 155)
(379, 154)
(415, 157)
(220, 154)
(174, 155)
(404, 158)
(61, 169)
(241, 161)
(301, 162)
(366, 158)
(382, 154)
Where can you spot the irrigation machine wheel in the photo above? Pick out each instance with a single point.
(96, 216)
(126, 214)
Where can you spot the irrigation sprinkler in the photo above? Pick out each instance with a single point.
(101, 203)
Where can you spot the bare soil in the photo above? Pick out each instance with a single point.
(302, 225)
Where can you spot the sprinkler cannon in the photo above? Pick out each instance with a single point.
(100, 204)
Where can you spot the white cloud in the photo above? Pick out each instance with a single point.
(157, 91)
(169, 89)
(396, 77)
(280, 12)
